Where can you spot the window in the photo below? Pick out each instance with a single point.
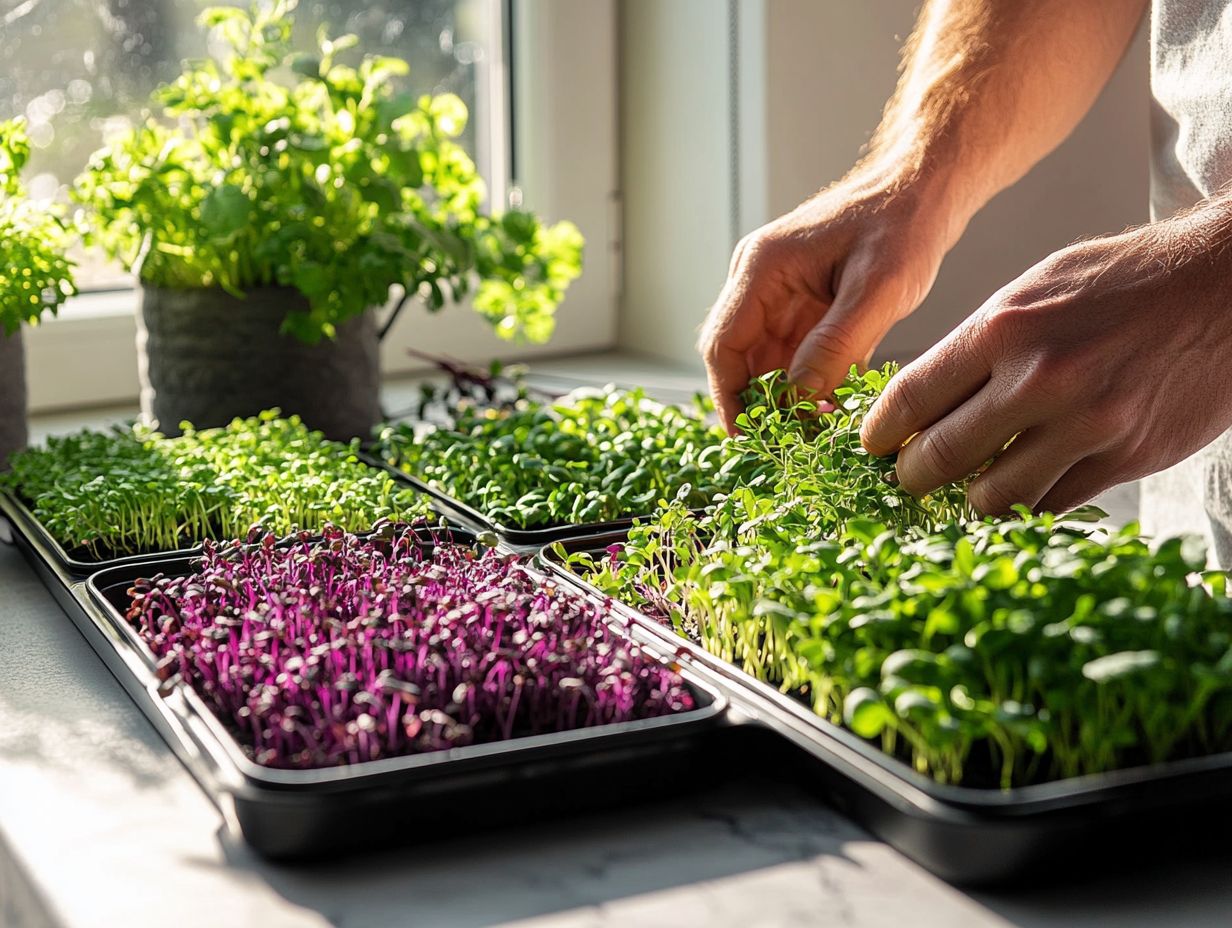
(79, 69)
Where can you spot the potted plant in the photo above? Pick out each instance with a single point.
(273, 199)
(35, 277)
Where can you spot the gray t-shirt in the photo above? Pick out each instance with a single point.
(1191, 141)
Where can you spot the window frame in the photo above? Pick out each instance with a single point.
(556, 124)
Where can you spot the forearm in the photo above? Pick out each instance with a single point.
(989, 87)
(1202, 234)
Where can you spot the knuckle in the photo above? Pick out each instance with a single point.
(990, 497)
(748, 242)
(899, 400)
(1055, 376)
(832, 341)
(1098, 425)
(705, 346)
(708, 347)
(754, 250)
(1006, 325)
(938, 452)
(928, 461)
(1121, 414)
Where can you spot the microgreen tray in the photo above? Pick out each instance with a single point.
(97, 498)
(71, 564)
(964, 834)
(78, 567)
(306, 813)
(522, 539)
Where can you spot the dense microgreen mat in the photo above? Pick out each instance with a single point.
(592, 456)
(351, 650)
(132, 490)
(987, 653)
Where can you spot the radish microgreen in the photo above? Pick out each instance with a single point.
(316, 655)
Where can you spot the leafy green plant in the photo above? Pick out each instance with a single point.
(35, 275)
(814, 452)
(983, 653)
(266, 167)
(133, 490)
(285, 477)
(112, 493)
(593, 456)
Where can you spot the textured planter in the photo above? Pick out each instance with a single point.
(205, 357)
(12, 397)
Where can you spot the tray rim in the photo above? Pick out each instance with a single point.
(894, 780)
(23, 519)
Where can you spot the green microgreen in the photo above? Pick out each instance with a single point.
(988, 653)
(592, 456)
(133, 490)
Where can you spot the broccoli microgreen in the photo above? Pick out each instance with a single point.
(592, 456)
(128, 491)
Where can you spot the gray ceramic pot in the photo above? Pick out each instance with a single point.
(205, 357)
(12, 396)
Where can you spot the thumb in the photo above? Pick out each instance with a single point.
(847, 334)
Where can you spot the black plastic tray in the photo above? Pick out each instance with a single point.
(26, 523)
(963, 834)
(523, 539)
(289, 814)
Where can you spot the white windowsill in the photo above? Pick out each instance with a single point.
(100, 304)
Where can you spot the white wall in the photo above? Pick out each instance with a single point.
(675, 152)
(813, 77)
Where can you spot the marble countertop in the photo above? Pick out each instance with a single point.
(101, 826)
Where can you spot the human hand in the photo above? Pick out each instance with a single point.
(1104, 363)
(817, 289)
